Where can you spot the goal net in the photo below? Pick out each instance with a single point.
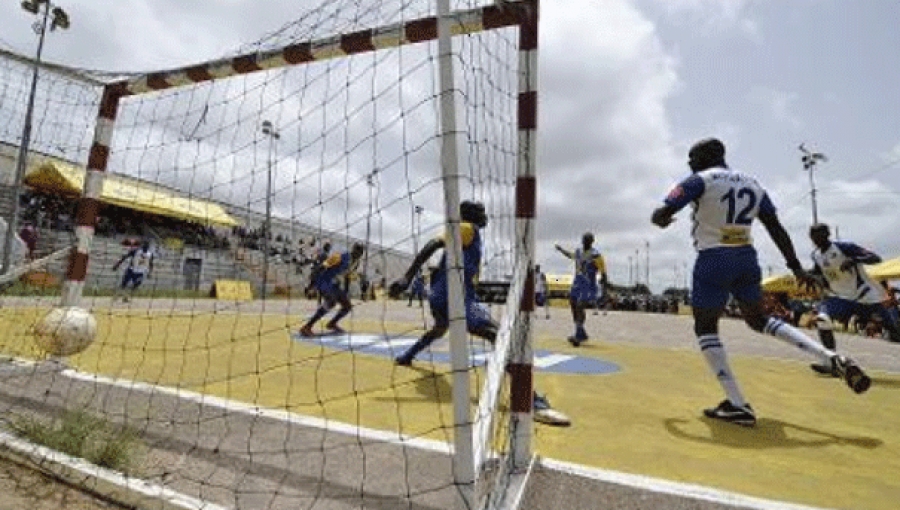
(202, 205)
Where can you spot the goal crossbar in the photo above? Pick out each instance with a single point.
(388, 36)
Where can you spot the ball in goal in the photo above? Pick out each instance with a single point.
(65, 331)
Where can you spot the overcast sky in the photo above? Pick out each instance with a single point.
(625, 88)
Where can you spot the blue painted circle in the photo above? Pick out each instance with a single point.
(390, 347)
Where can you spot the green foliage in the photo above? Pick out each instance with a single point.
(80, 434)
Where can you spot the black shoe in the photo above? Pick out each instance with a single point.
(403, 361)
(849, 371)
(823, 369)
(574, 340)
(726, 411)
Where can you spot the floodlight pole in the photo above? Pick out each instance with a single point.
(810, 160)
(269, 130)
(59, 20)
(370, 182)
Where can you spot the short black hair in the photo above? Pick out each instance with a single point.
(706, 153)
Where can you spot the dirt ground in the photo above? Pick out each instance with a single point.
(25, 488)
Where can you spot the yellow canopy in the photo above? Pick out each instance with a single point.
(66, 179)
(887, 270)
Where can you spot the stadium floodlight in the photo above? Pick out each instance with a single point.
(59, 19)
(269, 130)
(810, 160)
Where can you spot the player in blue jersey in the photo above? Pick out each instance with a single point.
(584, 291)
(478, 318)
(725, 203)
(328, 281)
(849, 290)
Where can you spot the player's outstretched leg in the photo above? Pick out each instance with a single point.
(842, 366)
(825, 328)
(427, 339)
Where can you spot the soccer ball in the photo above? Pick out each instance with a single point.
(65, 331)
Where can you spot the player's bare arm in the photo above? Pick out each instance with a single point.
(564, 251)
(783, 241)
(424, 254)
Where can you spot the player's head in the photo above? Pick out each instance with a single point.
(473, 212)
(145, 245)
(706, 153)
(587, 240)
(819, 233)
(357, 250)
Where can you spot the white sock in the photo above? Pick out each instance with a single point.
(717, 360)
(780, 329)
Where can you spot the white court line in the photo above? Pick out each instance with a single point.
(661, 486)
(656, 485)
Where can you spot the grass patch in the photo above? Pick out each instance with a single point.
(80, 434)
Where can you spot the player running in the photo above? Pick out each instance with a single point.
(140, 266)
(725, 203)
(328, 280)
(584, 290)
(849, 288)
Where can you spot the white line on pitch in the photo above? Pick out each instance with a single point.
(656, 485)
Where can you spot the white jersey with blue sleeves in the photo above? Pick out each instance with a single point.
(854, 284)
(725, 204)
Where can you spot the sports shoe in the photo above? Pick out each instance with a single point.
(307, 331)
(851, 373)
(726, 411)
(575, 341)
(403, 361)
(821, 368)
(544, 412)
(335, 329)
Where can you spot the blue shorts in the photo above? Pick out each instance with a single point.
(331, 292)
(842, 309)
(583, 291)
(719, 272)
(539, 299)
(477, 316)
(133, 277)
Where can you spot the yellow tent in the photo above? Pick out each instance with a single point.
(780, 283)
(887, 270)
(64, 179)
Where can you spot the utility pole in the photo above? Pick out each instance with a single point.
(810, 160)
(269, 130)
(52, 17)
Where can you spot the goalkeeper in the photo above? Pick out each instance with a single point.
(478, 319)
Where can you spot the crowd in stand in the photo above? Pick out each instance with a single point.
(642, 303)
(58, 213)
